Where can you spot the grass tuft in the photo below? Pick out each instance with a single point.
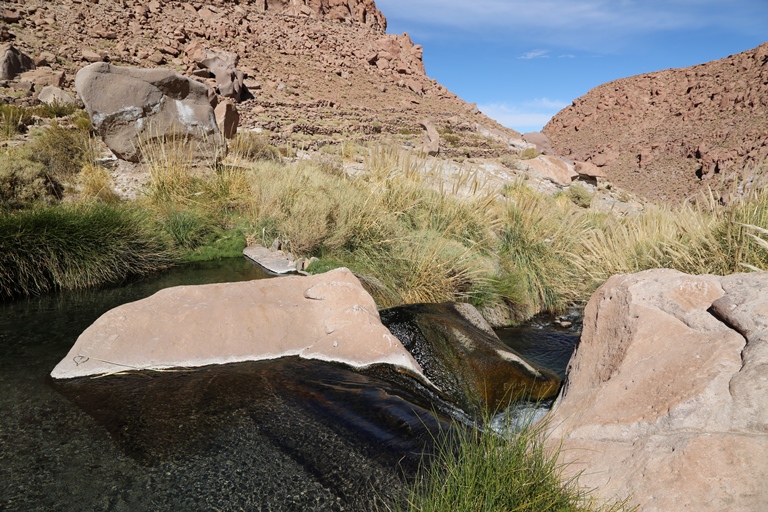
(71, 247)
(483, 471)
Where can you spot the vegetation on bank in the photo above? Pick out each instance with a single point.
(484, 471)
(411, 232)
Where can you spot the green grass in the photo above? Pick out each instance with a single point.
(71, 247)
(483, 471)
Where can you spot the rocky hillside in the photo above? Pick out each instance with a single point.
(667, 135)
(320, 71)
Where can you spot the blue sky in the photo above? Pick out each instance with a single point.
(523, 61)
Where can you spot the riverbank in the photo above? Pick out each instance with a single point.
(414, 229)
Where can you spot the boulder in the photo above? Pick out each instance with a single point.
(42, 77)
(223, 66)
(329, 317)
(665, 400)
(431, 138)
(539, 140)
(229, 81)
(227, 118)
(589, 171)
(51, 94)
(13, 62)
(552, 168)
(460, 353)
(129, 106)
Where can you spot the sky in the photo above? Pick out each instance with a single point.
(523, 61)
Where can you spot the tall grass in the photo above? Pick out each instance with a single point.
(70, 247)
(414, 233)
(482, 471)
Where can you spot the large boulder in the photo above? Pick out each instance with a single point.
(130, 107)
(551, 168)
(463, 357)
(328, 317)
(13, 62)
(665, 400)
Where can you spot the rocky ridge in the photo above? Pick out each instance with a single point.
(320, 71)
(667, 135)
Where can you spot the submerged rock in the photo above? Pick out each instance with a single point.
(459, 353)
(666, 394)
(329, 317)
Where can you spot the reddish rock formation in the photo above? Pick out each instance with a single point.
(326, 69)
(666, 135)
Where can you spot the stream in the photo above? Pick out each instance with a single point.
(279, 435)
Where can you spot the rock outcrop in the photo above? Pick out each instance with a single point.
(130, 107)
(329, 317)
(463, 357)
(665, 135)
(313, 71)
(665, 400)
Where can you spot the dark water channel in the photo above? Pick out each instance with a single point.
(284, 435)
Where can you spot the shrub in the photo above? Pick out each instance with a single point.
(579, 195)
(56, 109)
(254, 147)
(95, 183)
(510, 161)
(529, 153)
(61, 150)
(481, 470)
(23, 182)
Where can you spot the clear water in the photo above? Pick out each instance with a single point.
(285, 435)
(278, 435)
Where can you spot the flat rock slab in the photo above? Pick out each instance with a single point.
(328, 317)
(276, 262)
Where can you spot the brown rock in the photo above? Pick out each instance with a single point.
(539, 140)
(665, 401)
(51, 95)
(227, 118)
(589, 170)
(92, 56)
(431, 138)
(42, 77)
(552, 168)
(245, 321)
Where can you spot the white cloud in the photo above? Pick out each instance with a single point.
(526, 116)
(535, 54)
(594, 24)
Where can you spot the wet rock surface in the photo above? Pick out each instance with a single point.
(459, 353)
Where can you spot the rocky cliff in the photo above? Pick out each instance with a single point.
(319, 70)
(669, 134)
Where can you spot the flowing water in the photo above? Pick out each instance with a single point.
(278, 435)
